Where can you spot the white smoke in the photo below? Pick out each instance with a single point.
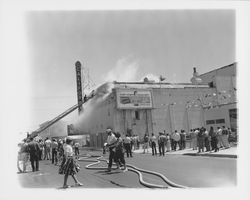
(151, 77)
(125, 70)
(100, 94)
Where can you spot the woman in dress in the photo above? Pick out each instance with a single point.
(69, 166)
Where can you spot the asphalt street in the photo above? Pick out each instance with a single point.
(191, 171)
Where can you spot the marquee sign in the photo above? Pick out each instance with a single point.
(133, 99)
(79, 85)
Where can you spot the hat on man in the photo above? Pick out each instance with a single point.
(108, 130)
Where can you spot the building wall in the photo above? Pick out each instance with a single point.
(125, 121)
(170, 108)
(101, 118)
(224, 79)
(229, 71)
(173, 109)
(163, 115)
(221, 112)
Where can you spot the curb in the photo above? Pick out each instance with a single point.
(211, 155)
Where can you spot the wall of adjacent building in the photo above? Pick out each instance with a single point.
(170, 108)
(224, 79)
(229, 71)
(217, 113)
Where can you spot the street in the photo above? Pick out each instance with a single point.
(190, 171)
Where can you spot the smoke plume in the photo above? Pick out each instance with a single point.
(125, 70)
(100, 94)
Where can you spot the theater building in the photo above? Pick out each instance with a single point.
(139, 108)
(151, 107)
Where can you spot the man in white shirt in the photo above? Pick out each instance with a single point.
(127, 145)
(47, 149)
(153, 141)
(111, 142)
(219, 135)
(176, 137)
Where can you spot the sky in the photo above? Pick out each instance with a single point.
(120, 45)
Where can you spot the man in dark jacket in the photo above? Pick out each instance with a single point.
(34, 154)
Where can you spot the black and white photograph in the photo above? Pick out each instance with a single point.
(142, 98)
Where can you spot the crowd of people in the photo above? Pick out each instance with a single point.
(64, 152)
(61, 152)
(212, 140)
(199, 139)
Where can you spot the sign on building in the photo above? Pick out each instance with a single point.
(133, 99)
(79, 85)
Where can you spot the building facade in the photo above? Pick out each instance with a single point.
(146, 108)
(137, 108)
(223, 111)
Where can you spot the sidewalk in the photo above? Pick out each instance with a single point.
(226, 153)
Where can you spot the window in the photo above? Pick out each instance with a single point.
(211, 84)
(210, 122)
(137, 115)
(220, 121)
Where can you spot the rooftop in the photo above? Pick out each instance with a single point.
(145, 85)
(231, 65)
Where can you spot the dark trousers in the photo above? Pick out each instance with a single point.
(214, 144)
(54, 156)
(128, 149)
(34, 160)
(175, 145)
(172, 144)
(162, 149)
(119, 157)
(207, 144)
(182, 144)
(111, 157)
(76, 151)
(40, 154)
(200, 145)
(153, 145)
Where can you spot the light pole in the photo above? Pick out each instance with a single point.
(170, 116)
(188, 124)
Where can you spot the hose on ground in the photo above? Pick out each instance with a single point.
(130, 168)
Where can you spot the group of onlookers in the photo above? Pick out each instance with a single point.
(200, 138)
(211, 140)
(60, 152)
(38, 149)
(28, 150)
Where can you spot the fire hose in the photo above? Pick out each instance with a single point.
(130, 168)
